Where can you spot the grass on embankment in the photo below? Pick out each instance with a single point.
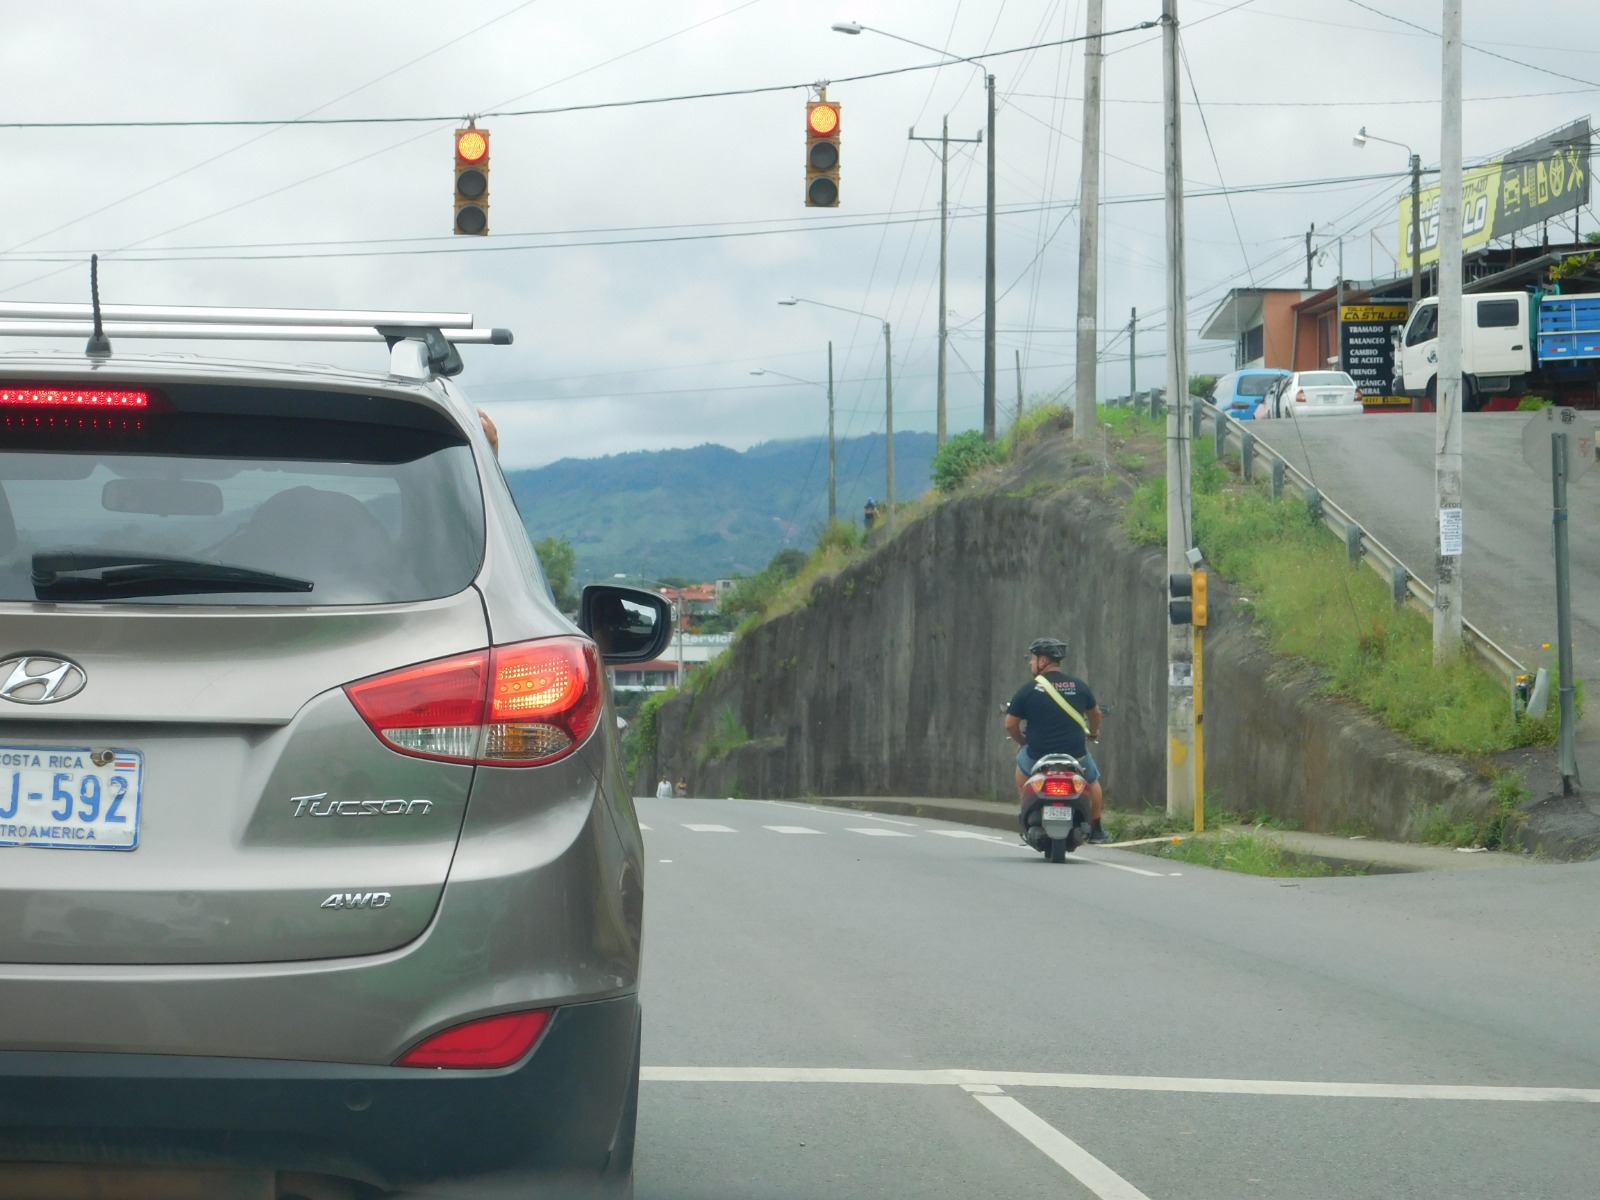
(1248, 852)
(1314, 605)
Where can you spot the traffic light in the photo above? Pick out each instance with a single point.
(1187, 599)
(822, 153)
(472, 181)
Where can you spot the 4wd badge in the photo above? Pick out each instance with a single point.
(357, 900)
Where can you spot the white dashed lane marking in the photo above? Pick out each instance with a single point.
(969, 833)
(792, 829)
(710, 828)
(880, 833)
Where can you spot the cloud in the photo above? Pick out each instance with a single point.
(688, 320)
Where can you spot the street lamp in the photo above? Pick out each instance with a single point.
(855, 27)
(832, 510)
(677, 616)
(888, 399)
(1360, 140)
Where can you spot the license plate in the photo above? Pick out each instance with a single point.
(1331, 397)
(1057, 812)
(70, 798)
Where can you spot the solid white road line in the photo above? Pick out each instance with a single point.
(880, 833)
(791, 829)
(1125, 1083)
(1100, 862)
(1062, 1150)
(710, 829)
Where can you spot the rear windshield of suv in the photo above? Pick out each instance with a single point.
(239, 507)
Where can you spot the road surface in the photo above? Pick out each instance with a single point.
(845, 1005)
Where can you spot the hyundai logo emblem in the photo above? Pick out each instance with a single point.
(40, 679)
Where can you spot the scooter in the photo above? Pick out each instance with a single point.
(1056, 816)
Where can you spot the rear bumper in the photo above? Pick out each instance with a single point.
(564, 1110)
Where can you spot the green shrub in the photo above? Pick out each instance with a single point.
(643, 734)
(1533, 403)
(1034, 418)
(729, 733)
(961, 457)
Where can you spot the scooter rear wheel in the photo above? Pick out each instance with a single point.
(1058, 850)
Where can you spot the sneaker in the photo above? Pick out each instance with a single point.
(1098, 834)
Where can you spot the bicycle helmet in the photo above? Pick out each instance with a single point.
(1052, 648)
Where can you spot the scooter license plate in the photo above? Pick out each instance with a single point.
(1057, 812)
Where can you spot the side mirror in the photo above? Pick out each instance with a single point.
(628, 624)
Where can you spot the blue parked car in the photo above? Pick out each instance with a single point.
(1240, 393)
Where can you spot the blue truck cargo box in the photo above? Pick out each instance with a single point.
(1569, 328)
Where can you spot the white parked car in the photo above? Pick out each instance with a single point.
(1317, 394)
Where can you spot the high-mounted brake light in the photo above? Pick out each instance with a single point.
(46, 397)
(480, 1045)
(514, 706)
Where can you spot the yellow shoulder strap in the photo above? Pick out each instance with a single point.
(1066, 707)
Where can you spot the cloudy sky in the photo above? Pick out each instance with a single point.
(638, 251)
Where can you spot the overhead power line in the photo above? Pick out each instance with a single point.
(435, 118)
(185, 254)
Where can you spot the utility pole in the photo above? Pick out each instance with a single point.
(988, 283)
(1133, 356)
(1018, 353)
(1180, 644)
(944, 141)
(1084, 415)
(1338, 320)
(1447, 420)
(1309, 233)
(832, 495)
(888, 421)
(1416, 229)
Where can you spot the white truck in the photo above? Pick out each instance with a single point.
(1512, 344)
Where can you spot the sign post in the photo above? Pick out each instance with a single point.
(1366, 351)
(1570, 452)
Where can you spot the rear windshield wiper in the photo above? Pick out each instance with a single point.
(111, 575)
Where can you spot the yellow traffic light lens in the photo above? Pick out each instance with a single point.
(823, 119)
(472, 146)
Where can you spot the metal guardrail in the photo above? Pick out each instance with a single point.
(1361, 546)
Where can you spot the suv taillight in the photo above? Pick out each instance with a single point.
(509, 706)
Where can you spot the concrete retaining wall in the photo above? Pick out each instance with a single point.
(890, 682)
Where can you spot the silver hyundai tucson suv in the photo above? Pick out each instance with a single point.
(317, 861)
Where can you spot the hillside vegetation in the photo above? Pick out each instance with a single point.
(707, 512)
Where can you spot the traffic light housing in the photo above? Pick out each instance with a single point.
(1186, 603)
(472, 181)
(822, 153)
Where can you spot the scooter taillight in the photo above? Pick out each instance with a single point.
(1062, 785)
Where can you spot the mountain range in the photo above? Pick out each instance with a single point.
(708, 512)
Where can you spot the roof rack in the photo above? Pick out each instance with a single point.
(421, 344)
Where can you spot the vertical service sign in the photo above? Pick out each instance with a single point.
(1367, 334)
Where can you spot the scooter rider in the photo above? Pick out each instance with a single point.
(1062, 717)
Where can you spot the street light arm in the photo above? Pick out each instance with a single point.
(836, 308)
(1363, 137)
(853, 27)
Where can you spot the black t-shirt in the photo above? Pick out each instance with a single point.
(1050, 730)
